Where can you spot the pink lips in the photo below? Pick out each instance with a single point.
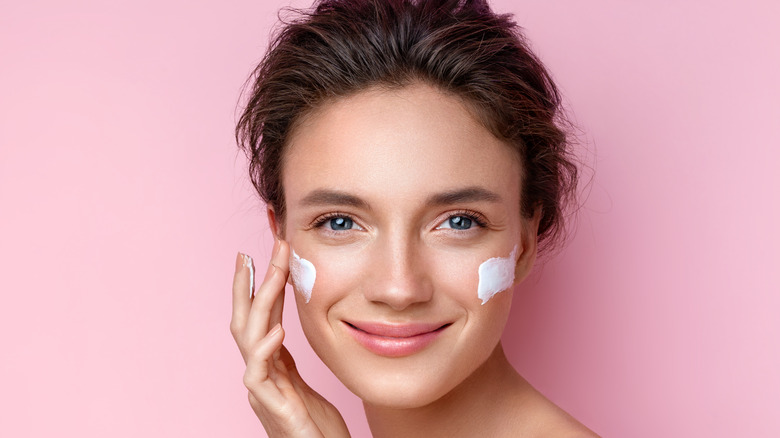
(394, 340)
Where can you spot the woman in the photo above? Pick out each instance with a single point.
(412, 160)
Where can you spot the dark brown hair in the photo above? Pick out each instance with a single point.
(341, 47)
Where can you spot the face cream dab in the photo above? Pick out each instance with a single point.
(495, 275)
(303, 275)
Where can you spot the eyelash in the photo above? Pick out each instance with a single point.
(322, 220)
(477, 218)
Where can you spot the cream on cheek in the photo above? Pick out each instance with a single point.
(303, 275)
(495, 275)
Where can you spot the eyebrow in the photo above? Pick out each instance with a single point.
(332, 197)
(468, 194)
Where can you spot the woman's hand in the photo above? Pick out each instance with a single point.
(283, 402)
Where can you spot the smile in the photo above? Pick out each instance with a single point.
(394, 340)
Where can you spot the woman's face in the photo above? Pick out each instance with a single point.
(396, 197)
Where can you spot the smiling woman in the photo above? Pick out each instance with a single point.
(412, 159)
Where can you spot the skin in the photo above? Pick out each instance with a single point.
(381, 162)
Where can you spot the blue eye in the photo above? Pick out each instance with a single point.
(340, 223)
(336, 222)
(460, 222)
(464, 221)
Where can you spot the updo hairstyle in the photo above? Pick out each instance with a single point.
(341, 47)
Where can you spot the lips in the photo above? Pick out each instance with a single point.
(394, 340)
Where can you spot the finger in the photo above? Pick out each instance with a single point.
(241, 300)
(293, 383)
(256, 376)
(285, 375)
(273, 286)
(276, 315)
(278, 306)
(291, 370)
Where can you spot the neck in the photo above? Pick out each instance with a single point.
(473, 407)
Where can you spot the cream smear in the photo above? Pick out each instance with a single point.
(495, 275)
(303, 275)
(248, 263)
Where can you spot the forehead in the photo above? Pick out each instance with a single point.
(399, 144)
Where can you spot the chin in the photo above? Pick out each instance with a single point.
(401, 383)
(397, 392)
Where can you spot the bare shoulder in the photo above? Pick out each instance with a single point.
(537, 416)
(573, 430)
(553, 422)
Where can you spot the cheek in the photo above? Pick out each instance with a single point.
(326, 276)
(338, 274)
(476, 278)
(457, 275)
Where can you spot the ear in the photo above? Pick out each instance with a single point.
(527, 244)
(273, 222)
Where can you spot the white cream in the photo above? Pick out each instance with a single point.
(303, 275)
(495, 275)
(248, 263)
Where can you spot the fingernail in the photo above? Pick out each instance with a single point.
(277, 328)
(249, 263)
(276, 247)
(239, 262)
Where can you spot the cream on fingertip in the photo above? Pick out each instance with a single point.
(249, 263)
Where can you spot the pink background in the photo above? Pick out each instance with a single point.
(123, 202)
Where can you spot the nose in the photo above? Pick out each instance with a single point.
(401, 274)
